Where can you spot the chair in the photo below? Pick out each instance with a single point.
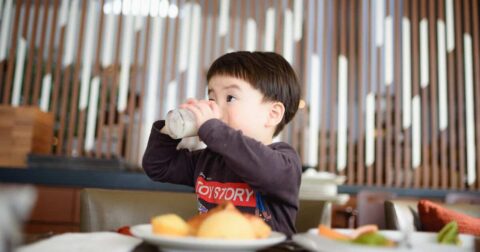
(107, 210)
(370, 205)
(309, 215)
(403, 213)
(459, 197)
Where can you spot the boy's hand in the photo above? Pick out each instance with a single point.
(203, 110)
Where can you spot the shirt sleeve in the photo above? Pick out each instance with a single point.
(274, 169)
(163, 162)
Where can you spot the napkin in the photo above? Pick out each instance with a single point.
(92, 242)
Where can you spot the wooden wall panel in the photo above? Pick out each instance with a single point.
(390, 88)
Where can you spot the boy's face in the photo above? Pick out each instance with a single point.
(242, 107)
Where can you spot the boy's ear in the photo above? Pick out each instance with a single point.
(275, 115)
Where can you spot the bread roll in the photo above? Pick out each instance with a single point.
(170, 224)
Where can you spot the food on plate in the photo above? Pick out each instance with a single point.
(226, 225)
(222, 222)
(449, 234)
(332, 234)
(170, 224)
(366, 235)
(373, 239)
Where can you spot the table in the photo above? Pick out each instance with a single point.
(110, 241)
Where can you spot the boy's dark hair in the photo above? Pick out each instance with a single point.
(267, 72)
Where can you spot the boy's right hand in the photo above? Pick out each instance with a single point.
(203, 110)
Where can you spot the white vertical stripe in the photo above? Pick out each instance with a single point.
(92, 114)
(370, 129)
(379, 14)
(19, 65)
(288, 36)
(388, 50)
(63, 13)
(297, 19)
(87, 56)
(184, 37)
(45, 96)
(469, 109)
(424, 77)
(107, 47)
(407, 73)
(127, 41)
(4, 33)
(152, 84)
(442, 77)
(450, 26)
(269, 29)
(251, 37)
(171, 101)
(1, 9)
(342, 113)
(71, 29)
(192, 77)
(314, 107)
(224, 18)
(416, 133)
(139, 20)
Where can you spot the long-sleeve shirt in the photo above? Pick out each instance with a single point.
(259, 179)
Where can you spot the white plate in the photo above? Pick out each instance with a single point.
(421, 241)
(144, 231)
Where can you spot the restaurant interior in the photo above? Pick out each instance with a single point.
(387, 127)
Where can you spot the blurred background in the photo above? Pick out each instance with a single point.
(390, 88)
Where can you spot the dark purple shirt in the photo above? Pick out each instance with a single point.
(233, 167)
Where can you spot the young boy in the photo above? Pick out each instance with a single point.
(252, 95)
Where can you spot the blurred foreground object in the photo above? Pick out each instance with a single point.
(16, 202)
(24, 130)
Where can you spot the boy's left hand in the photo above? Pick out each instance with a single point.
(203, 110)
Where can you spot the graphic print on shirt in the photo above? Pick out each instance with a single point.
(240, 194)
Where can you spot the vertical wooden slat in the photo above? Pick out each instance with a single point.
(202, 73)
(352, 80)
(433, 94)
(72, 121)
(397, 150)
(96, 72)
(40, 62)
(112, 128)
(132, 90)
(380, 134)
(388, 97)
(31, 50)
(340, 106)
(56, 84)
(163, 84)
(324, 160)
(12, 54)
(365, 172)
(333, 95)
(469, 99)
(143, 84)
(460, 93)
(416, 76)
(476, 58)
(407, 165)
(443, 132)
(243, 19)
(425, 132)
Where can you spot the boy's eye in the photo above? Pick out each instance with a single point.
(230, 98)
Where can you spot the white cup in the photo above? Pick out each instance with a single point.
(181, 123)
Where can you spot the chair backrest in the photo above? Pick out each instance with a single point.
(370, 206)
(107, 210)
(460, 197)
(309, 214)
(403, 213)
